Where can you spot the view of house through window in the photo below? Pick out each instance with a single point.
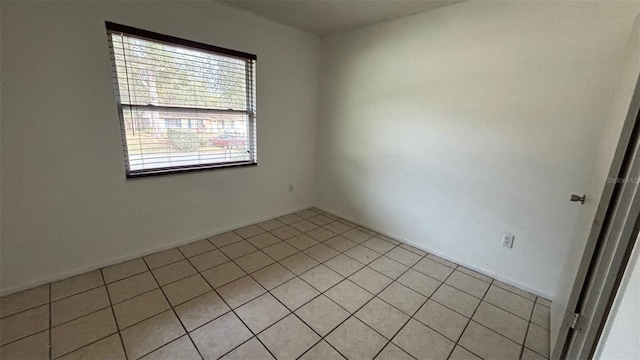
(183, 105)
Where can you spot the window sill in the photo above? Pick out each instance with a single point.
(136, 174)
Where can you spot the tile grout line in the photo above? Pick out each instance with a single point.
(115, 320)
(526, 333)
(172, 308)
(318, 242)
(50, 327)
(471, 319)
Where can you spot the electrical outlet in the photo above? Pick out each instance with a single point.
(290, 187)
(507, 240)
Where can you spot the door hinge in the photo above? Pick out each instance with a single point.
(576, 322)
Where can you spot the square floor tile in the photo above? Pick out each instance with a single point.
(272, 276)
(225, 239)
(238, 249)
(24, 324)
(457, 300)
(340, 243)
(392, 352)
(140, 308)
(321, 220)
(362, 254)
(285, 232)
(263, 240)
(370, 280)
(543, 301)
(124, 270)
(378, 245)
(475, 274)
(344, 265)
(321, 277)
(220, 336)
(433, 269)
(322, 314)
(531, 355)
(163, 258)
(240, 291)
(271, 224)
(388, 267)
(349, 295)
(356, 340)
(77, 284)
(488, 344)
(502, 322)
(254, 261)
(460, 353)
(422, 342)
(250, 350)
(514, 290)
(79, 305)
(307, 213)
(304, 226)
(261, 312)
(419, 282)
(182, 349)
(173, 272)
(34, 347)
(208, 260)
(388, 239)
(294, 293)
(337, 227)
(540, 316)
(289, 219)
(403, 256)
(185, 289)
(321, 252)
(249, 231)
(357, 235)
(24, 300)
(280, 250)
(107, 348)
(223, 274)
(442, 319)
(367, 230)
(402, 298)
(299, 263)
(82, 331)
(289, 338)
(196, 248)
(382, 317)
(321, 234)
(322, 351)
(510, 302)
(468, 284)
(200, 310)
(444, 262)
(413, 249)
(132, 286)
(301, 242)
(538, 340)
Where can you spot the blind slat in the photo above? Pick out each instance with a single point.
(182, 108)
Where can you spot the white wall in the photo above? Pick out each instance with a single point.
(620, 339)
(626, 80)
(451, 127)
(66, 206)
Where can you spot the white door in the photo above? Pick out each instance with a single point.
(595, 216)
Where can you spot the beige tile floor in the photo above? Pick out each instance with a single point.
(303, 286)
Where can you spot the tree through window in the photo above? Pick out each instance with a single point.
(183, 105)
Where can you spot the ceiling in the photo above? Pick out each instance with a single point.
(326, 17)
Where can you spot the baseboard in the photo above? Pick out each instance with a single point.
(473, 267)
(146, 252)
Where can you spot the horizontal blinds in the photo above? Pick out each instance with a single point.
(182, 107)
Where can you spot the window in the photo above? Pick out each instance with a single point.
(183, 105)
(172, 123)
